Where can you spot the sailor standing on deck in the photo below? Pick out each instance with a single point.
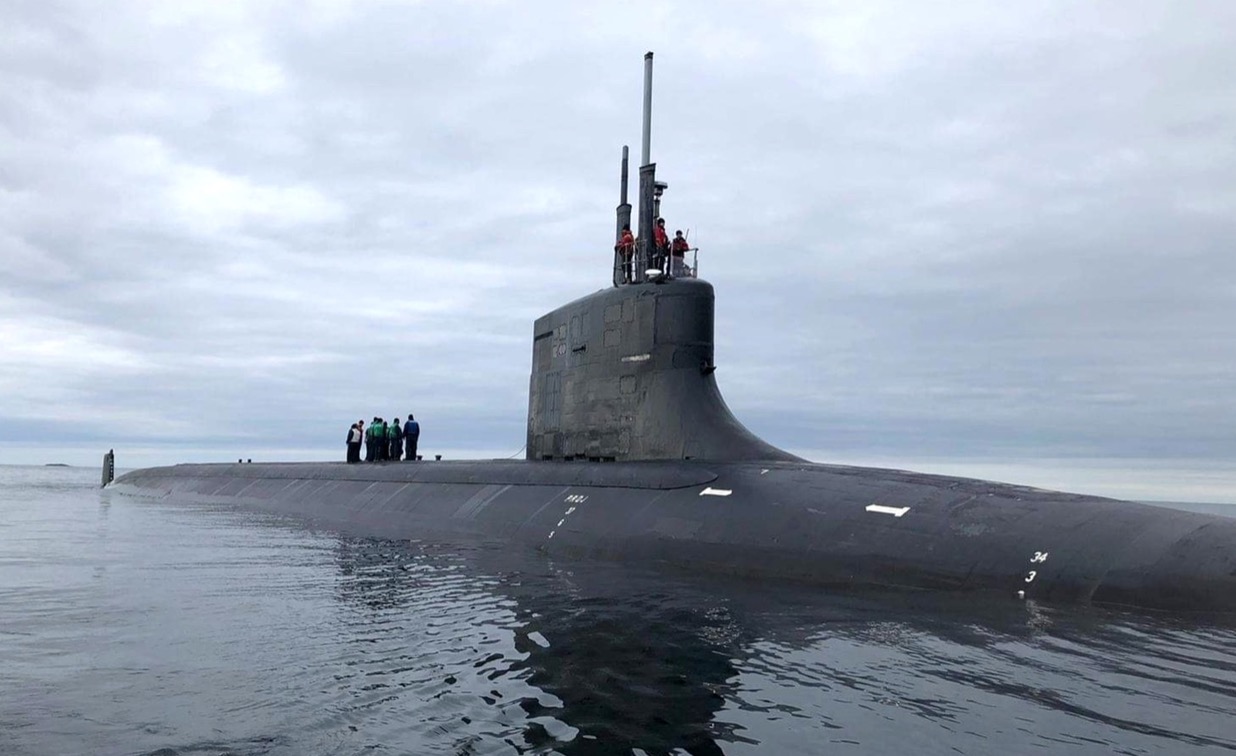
(379, 440)
(411, 435)
(393, 436)
(354, 443)
(371, 446)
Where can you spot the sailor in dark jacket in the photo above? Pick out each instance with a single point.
(393, 436)
(411, 435)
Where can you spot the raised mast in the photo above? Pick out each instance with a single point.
(624, 207)
(647, 182)
(646, 155)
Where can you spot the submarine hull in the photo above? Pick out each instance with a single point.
(830, 525)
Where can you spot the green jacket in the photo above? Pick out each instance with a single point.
(392, 431)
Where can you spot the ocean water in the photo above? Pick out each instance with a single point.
(139, 626)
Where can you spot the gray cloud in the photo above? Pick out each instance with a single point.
(966, 237)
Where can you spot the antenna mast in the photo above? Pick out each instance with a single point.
(647, 180)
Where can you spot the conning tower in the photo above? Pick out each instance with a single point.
(627, 373)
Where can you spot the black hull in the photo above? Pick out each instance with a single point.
(823, 524)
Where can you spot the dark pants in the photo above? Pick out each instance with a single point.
(353, 452)
(396, 449)
(410, 442)
(371, 450)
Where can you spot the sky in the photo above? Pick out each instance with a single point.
(976, 238)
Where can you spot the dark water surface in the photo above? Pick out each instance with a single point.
(138, 626)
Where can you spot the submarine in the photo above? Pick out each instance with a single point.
(633, 455)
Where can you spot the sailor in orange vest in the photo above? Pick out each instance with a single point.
(661, 243)
(626, 248)
(678, 253)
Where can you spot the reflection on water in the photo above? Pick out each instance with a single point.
(621, 659)
(566, 668)
(133, 626)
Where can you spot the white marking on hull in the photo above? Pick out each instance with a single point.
(567, 513)
(710, 491)
(881, 509)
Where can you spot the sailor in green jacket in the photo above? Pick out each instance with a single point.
(379, 440)
(371, 448)
(393, 437)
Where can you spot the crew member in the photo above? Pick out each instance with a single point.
(379, 440)
(354, 443)
(661, 246)
(393, 436)
(371, 444)
(411, 435)
(678, 253)
(626, 252)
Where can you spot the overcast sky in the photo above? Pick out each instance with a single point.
(992, 239)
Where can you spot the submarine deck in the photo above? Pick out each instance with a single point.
(826, 524)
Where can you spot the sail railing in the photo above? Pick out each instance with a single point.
(683, 269)
(630, 267)
(623, 267)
